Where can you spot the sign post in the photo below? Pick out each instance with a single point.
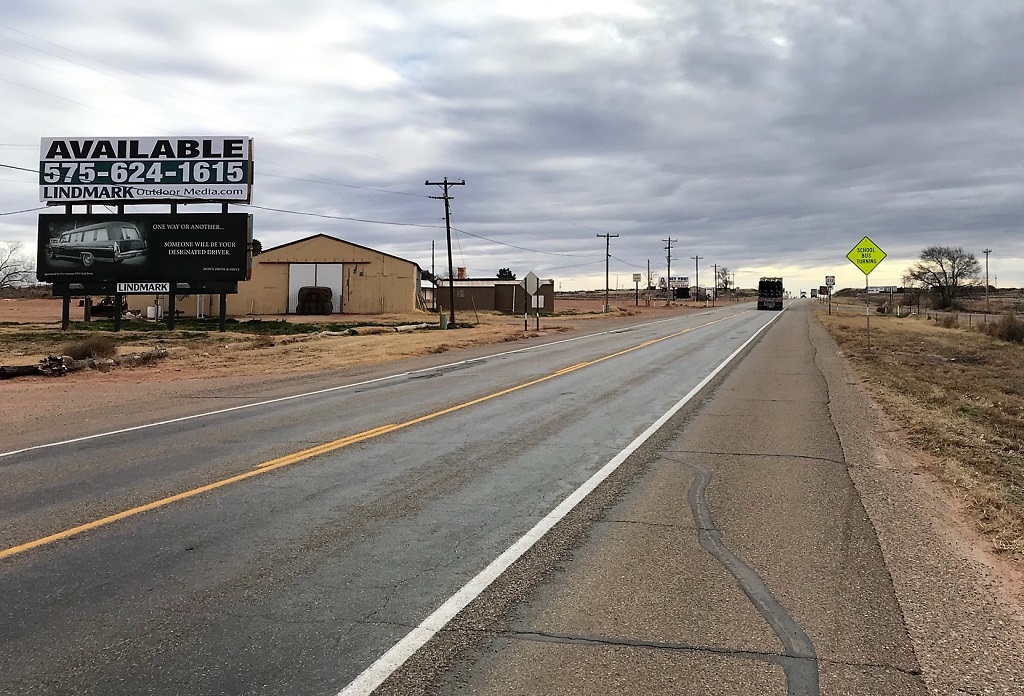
(829, 282)
(530, 283)
(636, 282)
(866, 255)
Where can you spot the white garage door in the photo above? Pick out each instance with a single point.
(327, 275)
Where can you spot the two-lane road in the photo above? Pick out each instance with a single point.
(283, 546)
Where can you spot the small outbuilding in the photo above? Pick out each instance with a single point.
(490, 295)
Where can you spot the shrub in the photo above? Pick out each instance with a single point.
(261, 341)
(92, 347)
(948, 321)
(1008, 328)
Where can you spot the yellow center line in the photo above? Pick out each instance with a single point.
(326, 447)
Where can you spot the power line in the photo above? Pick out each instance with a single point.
(513, 246)
(338, 217)
(576, 265)
(27, 210)
(290, 178)
(336, 183)
(11, 166)
(631, 265)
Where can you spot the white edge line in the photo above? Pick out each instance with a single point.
(205, 414)
(374, 675)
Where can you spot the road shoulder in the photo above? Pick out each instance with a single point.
(966, 633)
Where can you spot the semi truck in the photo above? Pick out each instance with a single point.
(769, 293)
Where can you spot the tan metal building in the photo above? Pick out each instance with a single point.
(362, 281)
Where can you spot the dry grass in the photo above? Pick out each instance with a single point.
(958, 395)
(94, 347)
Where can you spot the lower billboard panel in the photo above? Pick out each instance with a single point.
(164, 247)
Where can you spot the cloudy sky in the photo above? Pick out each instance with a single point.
(764, 136)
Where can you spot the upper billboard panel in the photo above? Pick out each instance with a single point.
(145, 170)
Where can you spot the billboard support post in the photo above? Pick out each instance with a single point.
(223, 312)
(65, 312)
(171, 307)
(117, 311)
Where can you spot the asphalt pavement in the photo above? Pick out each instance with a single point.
(763, 544)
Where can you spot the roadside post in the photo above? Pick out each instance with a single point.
(636, 282)
(65, 312)
(530, 283)
(866, 255)
(118, 299)
(829, 282)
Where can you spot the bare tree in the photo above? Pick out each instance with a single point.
(724, 279)
(15, 270)
(945, 271)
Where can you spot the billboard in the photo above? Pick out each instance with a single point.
(160, 247)
(145, 170)
(675, 282)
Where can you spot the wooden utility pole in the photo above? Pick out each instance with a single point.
(696, 279)
(668, 258)
(448, 230)
(607, 255)
(714, 293)
(986, 252)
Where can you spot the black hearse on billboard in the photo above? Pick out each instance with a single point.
(107, 242)
(149, 247)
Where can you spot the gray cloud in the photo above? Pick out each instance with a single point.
(760, 136)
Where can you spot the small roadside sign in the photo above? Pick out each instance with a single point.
(531, 282)
(636, 277)
(830, 280)
(866, 255)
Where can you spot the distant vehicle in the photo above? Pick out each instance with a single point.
(803, 294)
(769, 293)
(814, 293)
(110, 242)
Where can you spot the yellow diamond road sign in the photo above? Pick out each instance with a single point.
(866, 255)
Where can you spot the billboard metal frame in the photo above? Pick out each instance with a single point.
(146, 171)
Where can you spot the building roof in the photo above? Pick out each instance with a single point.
(342, 241)
(488, 282)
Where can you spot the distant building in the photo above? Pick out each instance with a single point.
(493, 295)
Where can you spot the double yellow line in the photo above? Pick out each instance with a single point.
(326, 447)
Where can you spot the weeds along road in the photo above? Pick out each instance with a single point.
(701, 516)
